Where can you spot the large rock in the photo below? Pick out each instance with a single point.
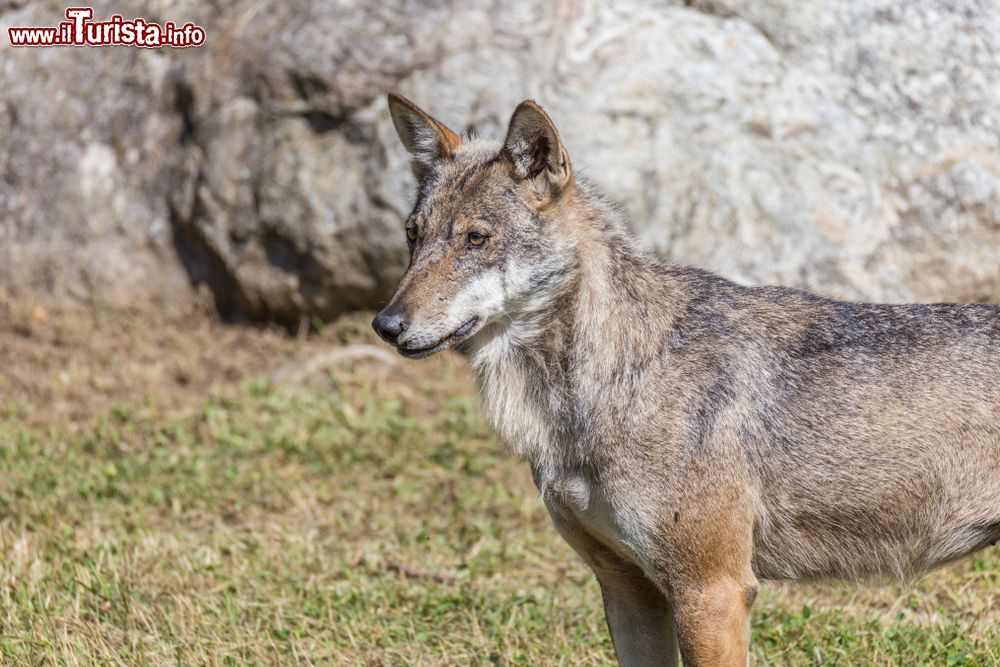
(86, 140)
(853, 148)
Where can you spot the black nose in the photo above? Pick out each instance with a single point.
(389, 324)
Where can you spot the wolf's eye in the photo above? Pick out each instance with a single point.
(411, 234)
(477, 239)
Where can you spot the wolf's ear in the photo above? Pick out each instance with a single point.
(427, 139)
(534, 150)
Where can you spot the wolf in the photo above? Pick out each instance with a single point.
(688, 435)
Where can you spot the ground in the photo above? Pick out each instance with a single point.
(180, 491)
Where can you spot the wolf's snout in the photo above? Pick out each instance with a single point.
(389, 324)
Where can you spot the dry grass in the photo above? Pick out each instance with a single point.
(164, 503)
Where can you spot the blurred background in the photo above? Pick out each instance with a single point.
(206, 456)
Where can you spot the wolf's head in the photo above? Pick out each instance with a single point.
(485, 237)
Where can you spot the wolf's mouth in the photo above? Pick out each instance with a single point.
(454, 337)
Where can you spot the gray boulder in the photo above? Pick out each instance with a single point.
(848, 148)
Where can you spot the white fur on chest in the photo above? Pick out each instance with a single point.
(573, 498)
(523, 427)
(520, 423)
(527, 429)
(580, 506)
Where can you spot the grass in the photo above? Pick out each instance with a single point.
(366, 518)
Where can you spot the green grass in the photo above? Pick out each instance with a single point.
(288, 525)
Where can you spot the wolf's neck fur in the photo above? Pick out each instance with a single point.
(545, 372)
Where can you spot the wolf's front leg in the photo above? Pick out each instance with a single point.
(639, 616)
(704, 560)
(713, 622)
(640, 619)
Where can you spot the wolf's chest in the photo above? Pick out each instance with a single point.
(579, 503)
(585, 515)
(573, 496)
(519, 419)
